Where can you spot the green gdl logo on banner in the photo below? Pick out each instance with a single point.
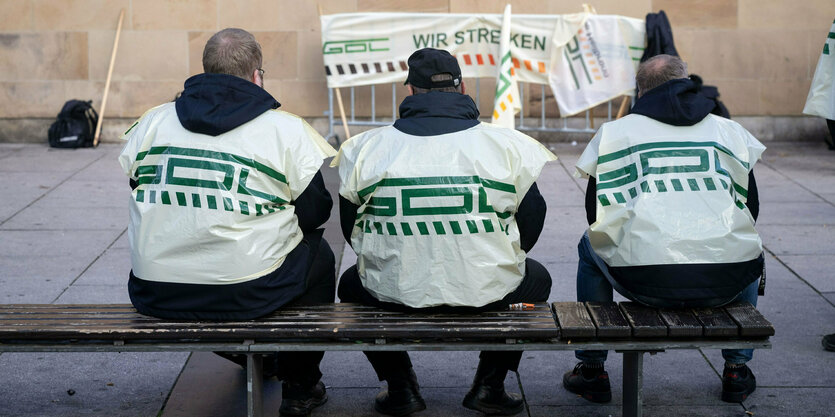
(354, 46)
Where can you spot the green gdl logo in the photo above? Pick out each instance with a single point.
(354, 46)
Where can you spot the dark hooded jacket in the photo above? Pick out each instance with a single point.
(659, 36)
(679, 103)
(213, 104)
(439, 113)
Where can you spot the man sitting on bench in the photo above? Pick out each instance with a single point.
(441, 210)
(671, 203)
(226, 207)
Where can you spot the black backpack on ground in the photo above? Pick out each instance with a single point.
(75, 126)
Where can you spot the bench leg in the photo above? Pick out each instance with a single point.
(254, 384)
(633, 381)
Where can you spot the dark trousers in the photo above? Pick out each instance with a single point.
(535, 287)
(303, 367)
(595, 283)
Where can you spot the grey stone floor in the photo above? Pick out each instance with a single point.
(62, 240)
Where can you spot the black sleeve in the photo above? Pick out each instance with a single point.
(530, 217)
(591, 201)
(753, 202)
(347, 217)
(313, 207)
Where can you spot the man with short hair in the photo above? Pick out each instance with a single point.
(671, 203)
(226, 207)
(441, 210)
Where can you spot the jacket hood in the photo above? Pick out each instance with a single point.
(676, 102)
(212, 104)
(436, 113)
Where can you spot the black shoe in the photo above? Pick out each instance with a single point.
(493, 401)
(828, 342)
(297, 400)
(401, 398)
(588, 383)
(488, 394)
(737, 384)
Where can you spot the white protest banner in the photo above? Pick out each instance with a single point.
(506, 103)
(592, 61)
(373, 48)
(821, 98)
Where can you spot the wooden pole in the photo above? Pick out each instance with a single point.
(107, 82)
(342, 113)
(623, 107)
(339, 99)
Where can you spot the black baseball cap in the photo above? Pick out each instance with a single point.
(426, 62)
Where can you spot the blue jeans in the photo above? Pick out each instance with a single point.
(594, 283)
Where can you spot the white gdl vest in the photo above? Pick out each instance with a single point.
(216, 209)
(672, 194)
(435, 224)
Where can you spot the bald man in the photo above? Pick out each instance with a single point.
(671, 205)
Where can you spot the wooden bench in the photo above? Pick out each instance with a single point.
(633, 330)
(626, 327)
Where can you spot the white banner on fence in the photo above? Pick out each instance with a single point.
(373, 48)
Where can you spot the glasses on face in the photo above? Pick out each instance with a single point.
(260, 72)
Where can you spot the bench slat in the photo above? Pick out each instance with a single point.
(330, 321)
(609, 320)
(681, 323)
(644, 320)
(542, 312)
(574, 320)
(297, 317)
(751, 322)
(204, 326)
(307, 333)
(716, 322)
(25, 323)
(482, 328)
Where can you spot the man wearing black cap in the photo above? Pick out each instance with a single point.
(441, 210)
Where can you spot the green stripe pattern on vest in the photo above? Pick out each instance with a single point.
(667, 167)
(451, 227)
(462, 202)
(209, 180)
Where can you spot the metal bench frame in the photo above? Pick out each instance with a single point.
(633, 356)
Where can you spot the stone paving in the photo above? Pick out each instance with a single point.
(63, 239)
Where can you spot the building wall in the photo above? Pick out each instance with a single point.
(760, 53)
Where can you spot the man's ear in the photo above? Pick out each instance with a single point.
(463, 88)
(411, 90)
(256, 78)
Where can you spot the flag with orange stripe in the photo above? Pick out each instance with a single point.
(506, 103)
(591, 62)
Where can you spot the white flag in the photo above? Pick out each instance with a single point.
(506, 103)
(821, 98)
(592, 67)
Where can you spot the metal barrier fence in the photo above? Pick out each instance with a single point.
(522, 123)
